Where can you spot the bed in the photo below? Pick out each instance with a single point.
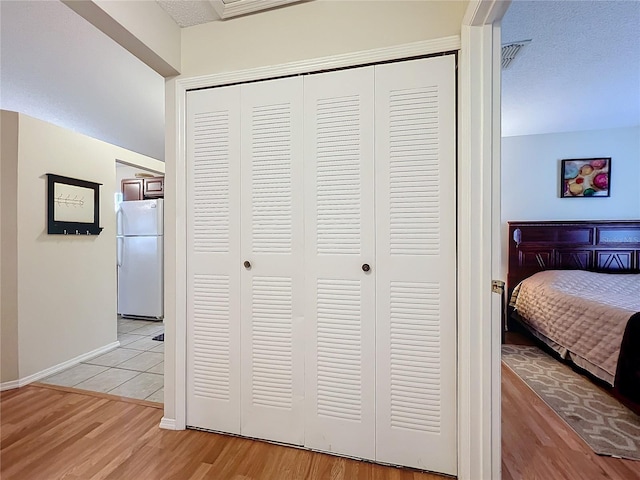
(575, 286)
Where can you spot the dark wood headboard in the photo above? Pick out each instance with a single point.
(604, 246)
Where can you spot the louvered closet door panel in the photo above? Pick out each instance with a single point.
(339, 239)
(213, 258)
(416, 259)
(272, 241)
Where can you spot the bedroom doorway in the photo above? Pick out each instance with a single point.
(541, 395)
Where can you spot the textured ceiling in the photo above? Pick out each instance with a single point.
(581, 70)
(187, 13)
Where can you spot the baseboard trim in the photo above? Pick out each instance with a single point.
(168, 423)
(21, 382)
(9, 385)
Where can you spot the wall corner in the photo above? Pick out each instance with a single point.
(9, 130)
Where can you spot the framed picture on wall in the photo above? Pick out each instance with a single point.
(73, 206)
(585, 177)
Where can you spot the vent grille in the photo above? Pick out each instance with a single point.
(338, 175)
(211, 182)
(416, 386)
(272, 343)
(339, 349)
(414, 171)
(271, 179)
(211, 337)
(510, 51)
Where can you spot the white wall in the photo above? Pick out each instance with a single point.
(66, 299)
(314, 29)
(57, 67)
(531, 176)
(298, 32)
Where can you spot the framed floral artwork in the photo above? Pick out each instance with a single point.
(585, 177)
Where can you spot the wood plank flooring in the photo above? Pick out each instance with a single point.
(49, 434)
(537, 444)
(53, 434)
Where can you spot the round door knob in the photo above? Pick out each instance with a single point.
(366, 267)
(247, 264)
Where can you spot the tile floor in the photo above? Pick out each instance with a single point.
(134, 370)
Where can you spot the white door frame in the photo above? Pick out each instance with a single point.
(479, 246)
(478, 162)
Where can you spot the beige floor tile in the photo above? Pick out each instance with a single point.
(140, 355)
(149, 329)
(74, 375)
(135, 321)
(107, 380)
(140, 386)
(157, 396)
(142, 362)
(114, 357)
(127, 321)
(129, 324)
(143, 343)
(159, 369)
(127, 338)
(126, 328)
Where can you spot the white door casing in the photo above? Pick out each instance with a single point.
(477, 419)
(339, 239)
(416, 264)
(272, 242)
(213, 259)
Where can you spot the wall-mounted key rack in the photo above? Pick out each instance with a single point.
(73, 206)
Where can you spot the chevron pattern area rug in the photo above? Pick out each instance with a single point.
(606, 425)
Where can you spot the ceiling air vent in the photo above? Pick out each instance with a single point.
(510, 51)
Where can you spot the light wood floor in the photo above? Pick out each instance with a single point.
(53, 434)
(537, 444)
(49, 434)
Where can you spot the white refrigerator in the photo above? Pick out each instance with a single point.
(140, 244)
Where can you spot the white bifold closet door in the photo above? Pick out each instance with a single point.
(416, 264)
(213, 259)
(272, 244)
(321, 262)
(339, 240)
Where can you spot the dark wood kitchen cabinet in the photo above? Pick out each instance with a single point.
(153, 187)
(132, 189)
(142, 188)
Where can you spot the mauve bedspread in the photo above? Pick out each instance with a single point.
(584, 313)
